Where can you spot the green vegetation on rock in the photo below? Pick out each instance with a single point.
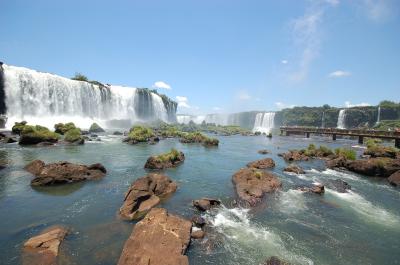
(171, 156)
(198, 137)
(18, 127)
(74, 136)
(387, 125)
(37, 134)
(95, 128)
(62, 128)
(140, 134)
(349, 154)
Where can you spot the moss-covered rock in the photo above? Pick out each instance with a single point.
(37, 134)
(198, 137)
(62, 128)
(18, 127)
(140, 134)
(74, 136)
(95, 128)
(166, 160)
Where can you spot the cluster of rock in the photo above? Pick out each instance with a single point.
(7, 138)
(63, 172)
(166, 160)
(294, 155)
(145, 193)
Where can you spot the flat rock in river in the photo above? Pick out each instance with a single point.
(252, 184)
(43, 249)
(262, 163)
(145, 193)
(159, 239)
(62, 172)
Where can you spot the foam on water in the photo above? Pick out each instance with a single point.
(365, 208)
(247, 241)
(292, 201)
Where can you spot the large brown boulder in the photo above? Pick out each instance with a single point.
(262, 163)
(318, 189)
(159, 239)
(145, 193)
(294, 169)
(382, 151)
(43, 248)
(252, 184)
(339, 162)
(63, 172)
(206, 204)
(294, 155)
(394, 179)
(379, 167)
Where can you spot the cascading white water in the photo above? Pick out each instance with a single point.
(46, 99)
(264, 122)
(341, 123)
(378, 119)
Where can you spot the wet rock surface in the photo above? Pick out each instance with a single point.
(339, 185)
(43, 249)
(160, 238)
(394, 179)
(262, 163)
(379, 167)
(275, 261)
(263, 151)
(205, 204)
(145, 193)
(294, 169)
(63, 172)
(294, 155)
(252, 184)
(157, 162)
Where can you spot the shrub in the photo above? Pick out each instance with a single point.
(80, 77)
(172, 156)
(198, 137)
(140, 134)
(349, 154)
(37, 134)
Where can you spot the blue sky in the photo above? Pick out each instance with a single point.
(216, 55)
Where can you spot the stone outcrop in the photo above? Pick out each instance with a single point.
(339, 162)
(294, 155)
(339, 185)
(160, 239)
(252, 184)
(318, 189)
(294, 169)
(145, 193)
(205, 204)
(394, 179)
(262, 163)
(167, 160)
(263, 151)
(379, 167)
(43, 249)
(63, 172)
(275, 261)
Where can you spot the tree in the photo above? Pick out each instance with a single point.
(80, 77)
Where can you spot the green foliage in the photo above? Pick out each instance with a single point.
(80, 77)
(18, 127)
(62, 128)
(349, 154)
(73, 135)
(171, 156)
(140, 133)
(198, 137)
(389, 104)
(321, 151)
(36, 134)
(372, 142)
(386, 125)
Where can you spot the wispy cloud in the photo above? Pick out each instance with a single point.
(348, 104)
(332, 2)
(377, 10)
(339, 73)
(281, 105)
(243, 95)
(161, 84)
(217, 108)
(284, 61)
(182, 102)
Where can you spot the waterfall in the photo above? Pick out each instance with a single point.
(264, 122)
(323, 120)
(341, 123)
(46, 99)
(378, 120)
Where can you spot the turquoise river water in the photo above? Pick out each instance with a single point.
(359, 227)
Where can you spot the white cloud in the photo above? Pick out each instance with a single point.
(284, 61)
(349, 105)
(339, 73)
(216, 108)
(182, 102)
(333, 2)
(161, 84)
(243, 95)
(377, 10)
(281, 105)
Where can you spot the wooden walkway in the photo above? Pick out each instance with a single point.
(361, 134)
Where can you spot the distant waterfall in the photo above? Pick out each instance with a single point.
(341, 123)
(378, 120)
(323, 120)
(46, 99)
(264, 122)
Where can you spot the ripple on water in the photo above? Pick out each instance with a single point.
(248, 242)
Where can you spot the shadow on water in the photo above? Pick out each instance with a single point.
(59, 190)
